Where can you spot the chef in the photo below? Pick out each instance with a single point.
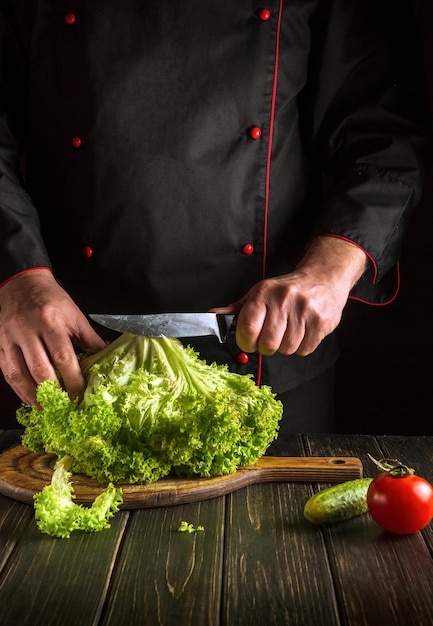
(260, 159)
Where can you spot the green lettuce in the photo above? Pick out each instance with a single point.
(58, 515)
(152, 408)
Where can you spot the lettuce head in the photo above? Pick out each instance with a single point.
(153, 408)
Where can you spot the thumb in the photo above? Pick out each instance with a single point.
(235, 307)
(88, 339)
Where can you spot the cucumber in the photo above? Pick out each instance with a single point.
(338, 503)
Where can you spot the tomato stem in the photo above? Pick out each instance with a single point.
(393, 467)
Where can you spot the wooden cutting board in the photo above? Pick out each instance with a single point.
(24, 473)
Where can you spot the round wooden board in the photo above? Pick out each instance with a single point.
(24, 473)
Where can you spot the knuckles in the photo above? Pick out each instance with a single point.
(12, 376)
(39, 370)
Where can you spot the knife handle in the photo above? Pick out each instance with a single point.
(226, 324)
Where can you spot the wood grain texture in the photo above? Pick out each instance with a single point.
(379, 578)
(164, 577)
(24, 473)
(258, 561)
(275, 564)
(275, 567)
(52, 582)
(14, 521)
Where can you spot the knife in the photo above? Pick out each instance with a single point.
(170, 324)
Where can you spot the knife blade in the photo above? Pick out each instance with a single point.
(181, 325)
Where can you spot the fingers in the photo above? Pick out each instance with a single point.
(234, 308)
(88, 339)
(280, 316)
(17, 374)
(274, 331)
(255, 331)
(262, 327)
(65, 362)
(64, 358)
(269, 331)
(34, 359)
(39, 325)
(313, 336)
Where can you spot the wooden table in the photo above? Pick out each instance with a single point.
(257, 561)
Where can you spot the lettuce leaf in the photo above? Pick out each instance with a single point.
(58, 515)
(152, 408)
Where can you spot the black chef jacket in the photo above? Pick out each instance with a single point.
(165, 156)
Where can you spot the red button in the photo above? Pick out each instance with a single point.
(264, 14)
(248, 248)
(76, 142)
(255, 132)
(70, 18)
(87, 252)
(243, 358)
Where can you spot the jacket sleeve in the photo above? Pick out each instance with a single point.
(21, 244)
(371, 133)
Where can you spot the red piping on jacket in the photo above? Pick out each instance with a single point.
(30, 269)
(393, 297)
(375, 273)
(358, 246)
(268, 163)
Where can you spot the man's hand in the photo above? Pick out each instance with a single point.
(295, 312)
(39, 323)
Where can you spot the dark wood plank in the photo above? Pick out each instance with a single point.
(9, 438)
(14, 521)
(276, 569)
(291, 445)
(59, 581)
(380, 578)
(14, 517)
(164, 577)
(345, 445)
(416, 452)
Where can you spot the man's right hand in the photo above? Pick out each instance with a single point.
(39, 326)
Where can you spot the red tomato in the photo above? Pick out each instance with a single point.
(400, 504)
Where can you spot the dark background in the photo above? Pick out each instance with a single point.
(385, 373)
